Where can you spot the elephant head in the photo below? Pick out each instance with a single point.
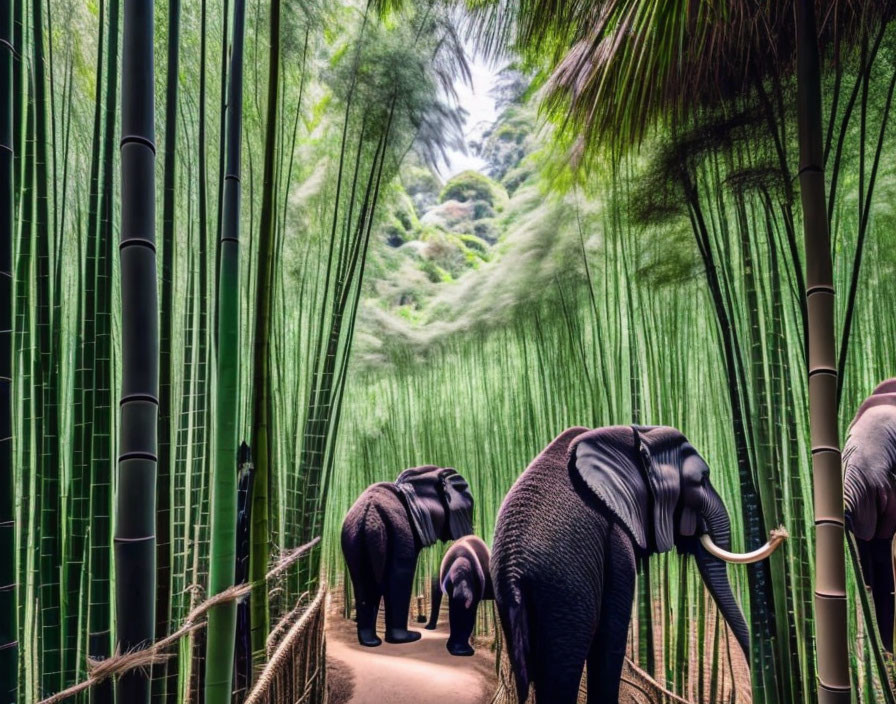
(661, 493)
(869, 493)
(439, 502)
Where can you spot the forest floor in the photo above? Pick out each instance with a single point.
(413, 673)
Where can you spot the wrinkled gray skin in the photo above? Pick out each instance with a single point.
(566, 539)
(465, 579)
(381, 540)
(869, 492)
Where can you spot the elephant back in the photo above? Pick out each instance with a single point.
(556, 454)
(885, 387)
(877, 399)
(474, 549)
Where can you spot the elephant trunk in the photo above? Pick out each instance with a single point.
(713, 570)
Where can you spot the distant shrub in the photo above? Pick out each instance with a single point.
(471, 186)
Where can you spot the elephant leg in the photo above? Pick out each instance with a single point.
(882, 589)
(368, 593)
(368, 607)
(607, 652)
(397, 596)
(562, 628)
(558, 671)
(462, 619)
(435, 604)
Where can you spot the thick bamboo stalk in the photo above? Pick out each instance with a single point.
(222, 619)
(135, 541)
(834, 686)
(9, 651)
(261, 402)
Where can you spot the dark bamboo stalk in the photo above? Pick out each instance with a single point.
(135, 541)
(831, 629)
(9, 650)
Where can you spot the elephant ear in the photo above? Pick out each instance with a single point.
(603, 460)
(459, 501)
(418, 510)
(660, 448)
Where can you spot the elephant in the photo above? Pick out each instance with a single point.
(384, 532)
(869, 494)
(465, 579)
(566, 539)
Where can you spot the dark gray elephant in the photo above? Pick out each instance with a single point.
(869, 492)
(383, 533)
(566, 538)
(465, 579)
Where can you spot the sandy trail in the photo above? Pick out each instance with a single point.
(413, 673)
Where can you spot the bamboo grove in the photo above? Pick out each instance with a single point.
(263, 141)
(195, 207)
(675, 294)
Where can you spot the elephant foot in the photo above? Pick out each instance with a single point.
(421, 619)
(460, 649)
(401, 635)
(368, 638)
(431, 626)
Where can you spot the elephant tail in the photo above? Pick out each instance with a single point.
(373, 537)
(517, 632)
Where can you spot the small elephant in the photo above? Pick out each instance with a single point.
(566, 537)
(869, 492)
(383, 533)
(465, 579)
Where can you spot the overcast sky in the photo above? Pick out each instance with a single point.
(480, 106)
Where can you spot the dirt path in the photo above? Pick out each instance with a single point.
(414, 673)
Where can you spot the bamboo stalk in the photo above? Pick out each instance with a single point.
(834, 684)
(222, 619)
(135, 541)
(9, 648)
(261, 386)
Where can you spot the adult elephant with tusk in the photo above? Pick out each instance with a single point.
(563, 560)
(384, 532)
(869, 492)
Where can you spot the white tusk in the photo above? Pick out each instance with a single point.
(776, 537)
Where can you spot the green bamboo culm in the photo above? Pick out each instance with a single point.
(9, 650)
(163, 680)
(101, 420)
(261, 402)
(222, 619)
(135, 541)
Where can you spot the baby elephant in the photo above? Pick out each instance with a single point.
(464, 576)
